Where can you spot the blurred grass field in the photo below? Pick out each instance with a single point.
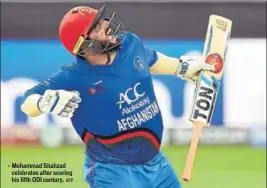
(215, 167)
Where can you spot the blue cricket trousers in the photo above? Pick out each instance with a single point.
(157, 173)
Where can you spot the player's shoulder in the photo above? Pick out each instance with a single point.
(66, 75)
(64, 72)
(132, 38)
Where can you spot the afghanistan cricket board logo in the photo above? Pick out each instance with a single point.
(139, 63)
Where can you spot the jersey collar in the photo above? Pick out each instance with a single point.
(82, 65)
(86, 67)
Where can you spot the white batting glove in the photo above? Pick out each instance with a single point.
(59, 102)
(190, 68)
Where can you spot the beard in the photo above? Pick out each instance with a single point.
(97, 47)
(107, 46)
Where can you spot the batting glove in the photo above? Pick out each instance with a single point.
(59, 102)
(190, 68)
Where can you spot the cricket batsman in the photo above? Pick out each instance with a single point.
(108, 94)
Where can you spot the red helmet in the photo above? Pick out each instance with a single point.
(76, 24)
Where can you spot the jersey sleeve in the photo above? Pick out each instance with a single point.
(59, 80)
(150, 54)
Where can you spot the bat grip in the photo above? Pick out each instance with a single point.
(192, 151)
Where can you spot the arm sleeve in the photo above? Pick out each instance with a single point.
(165, 65)
(29, 104)
(158, 62)
(152, 56)
(59, 80)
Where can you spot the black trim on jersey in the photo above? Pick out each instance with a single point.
(120, 134)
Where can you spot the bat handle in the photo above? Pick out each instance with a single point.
(192, 151)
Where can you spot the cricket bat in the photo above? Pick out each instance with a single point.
(207, 87)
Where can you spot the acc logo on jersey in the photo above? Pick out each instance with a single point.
(130, 95)
(139, 63)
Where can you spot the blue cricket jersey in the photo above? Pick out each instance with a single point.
(118, 118)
